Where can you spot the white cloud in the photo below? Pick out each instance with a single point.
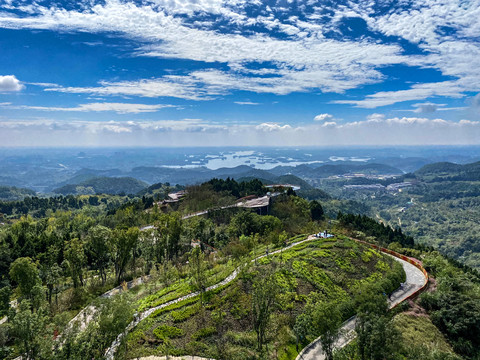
(323, 117)
(376, 117)
(120, 108)
(304, 61)
(329, 124)
(246, 103)
(305, 58)
(269, 127)
(447, 31)
(426, 108)
(10, 83)
(186, 88)
(375, 130)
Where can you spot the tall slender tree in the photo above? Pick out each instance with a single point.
(98, 240)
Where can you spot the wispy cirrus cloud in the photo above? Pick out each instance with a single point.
(246, 103)
(120, 108)
(256, 47)
(305, 61)
(447, 33)
(417, 92)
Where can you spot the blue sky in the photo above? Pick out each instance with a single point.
(213, 72)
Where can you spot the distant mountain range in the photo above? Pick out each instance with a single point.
(116, 181)
(44, 170)
(120, 182)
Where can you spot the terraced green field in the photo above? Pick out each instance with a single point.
(221, 326)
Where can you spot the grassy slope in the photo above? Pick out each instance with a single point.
(326, 269)
(419, 332)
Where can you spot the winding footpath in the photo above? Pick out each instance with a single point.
(110, 353)
(417, 279)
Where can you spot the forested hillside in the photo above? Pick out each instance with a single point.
(58, 255)
(103, 185)
(439, 205)
(12, 193)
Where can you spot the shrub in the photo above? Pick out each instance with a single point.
(203, 333)
(184, 314)
(165, 331)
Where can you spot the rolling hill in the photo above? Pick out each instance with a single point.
(12, 193)
(104, 185)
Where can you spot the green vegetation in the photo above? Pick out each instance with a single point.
(12, 193)
(103, 185)
(167, 332)
(57, 255)
(256, 313)
(366, 226)
(440, 207)
(455, 305)
(74, 248)
(420, 338)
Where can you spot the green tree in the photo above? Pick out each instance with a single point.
(5, 293)
(75, 260)
(4, 342)
(244, 223)
(24, 272)
(327, 320)
(97, 245)
(316, 210)
(147, 245)
(376, 337)
(52, 275)
(282, 238)
(168, 231)
(264, 298)
(121, 245)
(302, 327)
(168, 273)
(28, 330)
(198, 268)
(111, 318)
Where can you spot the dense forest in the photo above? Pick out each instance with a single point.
(12, 193)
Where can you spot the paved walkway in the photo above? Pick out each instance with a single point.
(415, 281)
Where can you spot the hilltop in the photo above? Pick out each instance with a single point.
(446, 171)
(103, 185)
(12, 193)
